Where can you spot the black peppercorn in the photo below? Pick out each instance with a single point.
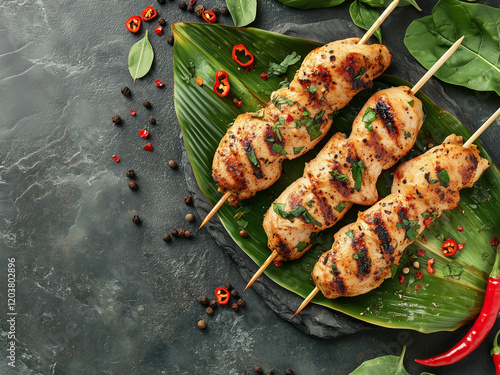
(162, 22)
(181, 232)
(202, 324)
(241, 302)
(152, 120)
(224, 10)
(182, 4)
(209, 310)
(166, 237)
(243, 233)
(199, 10)
(235, 294)
(170, 39)
(188, 199)
(258, 369)
(147, 104)
(130, 173)
(161, 1)
(136, 220)
(213, 304)
(203, 300)
(133, 185)
(188, 234)
(235, 307)
(175, 232)
(289, 371)
(228, 286)
(126, 91)
(172, 164)
(117, 120)
(190, 9)
(190, 218)
(216, 10)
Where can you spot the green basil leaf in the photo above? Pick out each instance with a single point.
(340, 207)
(253, 158)
(282, 67)
(358, 169)
(301, 246)
(308, 4)
(364, 16)
(297, 150)
(140, 58)
(444, 178)
(309, 219)
(243, 12)
(480, 50)
(411, 102)
(279, 149)
(349, 234)
(386, 365)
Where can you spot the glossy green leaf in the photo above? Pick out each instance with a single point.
(475, 63)
(308, 4)
(243, 12)
(140, 58)
(432, 303)
(364, 17)
(385, 3)
(386, 365)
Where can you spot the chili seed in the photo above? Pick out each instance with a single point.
(152, 120)
(258, 369)
(166, 237)
(224, 10)
(235, 294)
(203, 300)
(136, 220)
(182, 4)
(216, 10)
(209, 310)
(133, 185)
(213, 304)
(170, 39)
(235, 307)
(199, 10)
(188, 199)
(147, 104)
(126, 91)
(190, 218)
(188, 234)
(130, 173)
(172, 164)
(175, 232)
(243, 233)
(190, 9)
(182, 232)
(289, 371)
(241, 302)
(228, 286)
(162, 22)
(117, 120)
(202, 324)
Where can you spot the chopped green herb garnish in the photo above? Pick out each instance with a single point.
(297, 150)
(297, 123)
(338, 176)
(279, 208)
(334, 268)
(301, 246)
(360, 73)
(253, 158)
(425, 215)
(369, 127)
(278, 148)
(305, 113)
(433, 181)
(407, 134)
(358, 255)
(394, 270)
(340, 207)
(282, 67)
(411, 227)
(358, 169)
(453, 271)
(312, 89)
(444, 178)
(349, 234)
(242, 224)
(259, 114)
(310, 203)
(369, 116)
(284, 84)
(322, 99)
(411, 103)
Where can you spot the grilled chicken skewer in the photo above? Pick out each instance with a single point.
(249, 156)
(345, 171)
(364, 252)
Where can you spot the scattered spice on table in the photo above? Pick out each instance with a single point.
(203, 300)
(209, 310)
(202, 324)
(166, 237)
(172, 164)
(181, 232)
(199, 81)
(190, 217)
(258, 370)
(136, 220)
(115, 158)
(235, 307)
(198, 11)
(133, 185)
(152, 120)
(143, 133)
(190, 9)
(243, 233)
(430, 268)
(224, 10)
(159, 83)
(213, 304)
(161, 1)
(228, 286)
(162, 21)
(188, 199)
(188, 234)
(235, 294)
(170, 39)
(241, 302)
(125, 91)
(117, 120)
(147, 104)
(182, 5)
(130, 173)
(149, 13)
(175, 232)
(159, 30)
(148, 147)
(216, 10)
(132, 112)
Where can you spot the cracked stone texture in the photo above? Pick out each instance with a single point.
(97, 294)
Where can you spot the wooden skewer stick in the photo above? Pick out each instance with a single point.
(262, 268)
(378, 22)
(436, 66)
(306, 301)
(467, 144)
(216, 207)
(483, 127)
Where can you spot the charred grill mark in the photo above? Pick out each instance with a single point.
(354, 72)
(374, 143)
(294, 201)
(325, 208)
(377, 225)
(467, 171)
(271, 138)
(325, 260)
(247, 146)
(402, 213)
(283, 249)
(337, 283)
(386, 113)
(360, 250)
(323, 76)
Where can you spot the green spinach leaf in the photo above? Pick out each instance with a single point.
(385, 3)
(243, 12)
(308, 4)
(364, 17)
(479, 51)
(140, 58)
(386, 365)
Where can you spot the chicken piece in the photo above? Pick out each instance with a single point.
(438, 175)
(345, 171)
(296, 118)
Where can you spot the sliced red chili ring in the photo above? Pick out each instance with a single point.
(221, 86)
(149, 13)
(222, 295)
(247, 53)
(209, 16)
(143, 134)
(449, 247)
(494, 241)
(133, 24)
(430, 268)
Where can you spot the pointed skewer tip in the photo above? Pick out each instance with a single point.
(262, 268)
(216, 208)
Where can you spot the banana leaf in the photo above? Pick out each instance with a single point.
(445, 300)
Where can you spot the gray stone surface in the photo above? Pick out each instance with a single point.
(96, 294)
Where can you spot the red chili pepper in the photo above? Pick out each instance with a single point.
(116, 158)
(449, 247)
(132, 112)
(148, 147)
(419, 275)
(427, 221)
(495, 353)
(289, 118)
(421, 252)
(430, 262)
(264, 76)
(192, 2)
(461, 246)
(221, 86)
(277, 263)
(133, 24)
(494, 241)
(460, 228)
(149, 13)
(424, 239)
(409, 197)
(481, 326)
(209, 16)
(143, 134)
(222, 295)
(401, 279)
(242, 48)
(237, 102)
(159, 30)
(158, 83)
